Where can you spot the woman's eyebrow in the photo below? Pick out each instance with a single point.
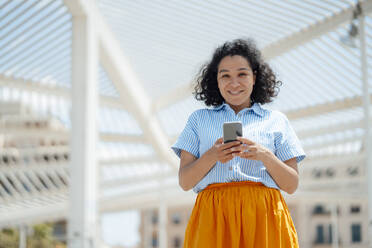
(240, 69)
(223, 70)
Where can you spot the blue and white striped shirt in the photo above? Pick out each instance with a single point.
(267, 127)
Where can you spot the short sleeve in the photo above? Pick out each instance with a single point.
(189, 138)
(287, 144)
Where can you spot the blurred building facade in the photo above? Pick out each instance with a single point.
(314, 223)
(177, 218)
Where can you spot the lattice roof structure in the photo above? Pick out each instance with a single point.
(149, 53)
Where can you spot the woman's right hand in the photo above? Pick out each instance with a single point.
(224, 152)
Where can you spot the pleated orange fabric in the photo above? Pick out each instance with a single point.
(240, 214)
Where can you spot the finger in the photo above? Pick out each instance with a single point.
(228, 152)
(230, 144)
(238, 149)
(246, 141)
(247, 155)
(219, 141)
(231, 150)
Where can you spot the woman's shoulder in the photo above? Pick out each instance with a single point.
(203, 112)
(274, 114)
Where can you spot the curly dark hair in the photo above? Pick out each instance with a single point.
(265, 88)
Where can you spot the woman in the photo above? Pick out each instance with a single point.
(239, 203)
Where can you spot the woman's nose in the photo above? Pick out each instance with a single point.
(234, 81)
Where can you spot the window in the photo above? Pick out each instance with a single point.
(355, 209)
(154, 242)
(59, 229)
(319, 209)
(330, 172)
(176, 218)
(316, 173)
(176, 242)
(353, 171)
(154, 218)
(5, 159)
(319, 234)
(356, 233)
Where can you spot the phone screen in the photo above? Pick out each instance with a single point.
(231, 131)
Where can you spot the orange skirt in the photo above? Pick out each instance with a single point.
(240, 214)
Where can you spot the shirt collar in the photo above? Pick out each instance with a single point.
(256, 107)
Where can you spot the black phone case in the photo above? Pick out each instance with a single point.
(231, 130)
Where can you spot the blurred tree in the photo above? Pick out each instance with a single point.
(40, 238)
(9, 238)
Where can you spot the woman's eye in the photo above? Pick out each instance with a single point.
(225, 76)
(242, 75)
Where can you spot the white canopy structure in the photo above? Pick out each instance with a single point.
(129, 66)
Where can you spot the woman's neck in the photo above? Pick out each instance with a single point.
(238, 108)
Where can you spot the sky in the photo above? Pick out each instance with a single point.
(121, 228)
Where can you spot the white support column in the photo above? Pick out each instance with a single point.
(22, 236)
(303, 224)
(334, 218)
(367, 121)
(163, 220)
(150, 230)
(146, 224)
(82, 225)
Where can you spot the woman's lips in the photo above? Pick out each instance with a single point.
(234, 93)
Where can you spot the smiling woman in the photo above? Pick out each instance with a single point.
(239, 202)
(239, 55)
(235, 81)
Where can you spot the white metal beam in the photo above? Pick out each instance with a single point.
(332, 160)
(334, 142)
(160, 175)
(173, 96)
(330, 129)
(83, 210)
(63, 135)
(132, 160)
(171, 195)
(133, 95)
(126, 82)
(309, 33)
(54, 90)
(367, 120)
(338, 105)
(123, 138)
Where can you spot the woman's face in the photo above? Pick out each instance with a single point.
(235, 80)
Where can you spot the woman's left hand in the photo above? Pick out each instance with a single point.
(252, 150)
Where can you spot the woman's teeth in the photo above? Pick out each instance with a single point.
(235, 92)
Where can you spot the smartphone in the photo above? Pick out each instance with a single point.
(231, 131)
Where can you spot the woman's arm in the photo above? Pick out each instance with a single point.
(285, 174)
(193, 169)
